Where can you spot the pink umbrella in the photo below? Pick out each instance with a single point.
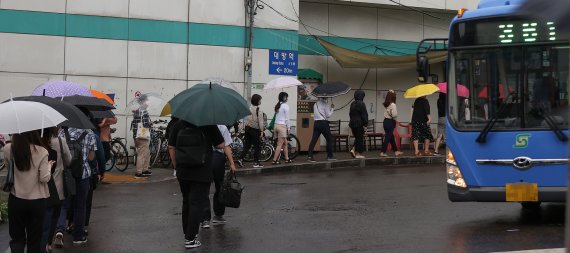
(484, 93)
(462, 90)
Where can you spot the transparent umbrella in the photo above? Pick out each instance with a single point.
(152, 102)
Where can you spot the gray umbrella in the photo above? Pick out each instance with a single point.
(557, 11)
(331, 89)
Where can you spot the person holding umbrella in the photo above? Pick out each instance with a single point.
(140, 126)
(421, 131)
(358, 122)
(322, 111)
(282, 128)
(190, 146)
(390, 115)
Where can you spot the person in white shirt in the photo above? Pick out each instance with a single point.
(390, 115)
(218, 166)
(322, 112)
(282, 128)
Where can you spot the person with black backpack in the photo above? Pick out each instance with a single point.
(190, 149)
(82, 144)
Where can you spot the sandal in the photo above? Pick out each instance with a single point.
(275, 162)
(427, 153)
(419, 154)
(289, 161)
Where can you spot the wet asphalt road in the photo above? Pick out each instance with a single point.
(399, 209)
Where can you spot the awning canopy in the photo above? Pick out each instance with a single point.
(348, 58)
(309, 74)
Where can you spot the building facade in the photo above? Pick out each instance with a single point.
(129, 46)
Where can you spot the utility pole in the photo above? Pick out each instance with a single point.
(250, 6)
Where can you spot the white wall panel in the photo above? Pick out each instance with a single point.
(268, 18)
(261, 66)
(437, 28)
(22, 84)
(315, 62)
(173, 10)
(353, 77)
(400, 25)
(350, 21)
(213, 61)
(157, 60)
(315, 15)
(222, 12)
(117, 86)
(34, 5)
(458, 4)
(432, 4)
(384, 2)
(96, 57)
(31, 53)
(112, 8)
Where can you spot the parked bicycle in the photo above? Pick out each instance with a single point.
(267, 147)
(119, 154)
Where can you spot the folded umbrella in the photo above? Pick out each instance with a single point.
(209, 104)
(61, 89)
(88, 103)
(331, 89)
(75, 118)
(24, 116)
(421, 90)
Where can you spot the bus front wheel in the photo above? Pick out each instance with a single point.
(531, 205)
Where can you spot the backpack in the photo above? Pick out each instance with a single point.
(76, 150)
(192, 149)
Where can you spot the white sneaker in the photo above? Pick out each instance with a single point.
(257, 165)
(192, 244)
(205, 224)
(58, 241)
(382, 154)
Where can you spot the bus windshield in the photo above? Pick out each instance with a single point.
(521, 86)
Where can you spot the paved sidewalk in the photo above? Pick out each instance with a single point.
(344, 160)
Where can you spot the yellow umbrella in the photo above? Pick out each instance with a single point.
(421, 90)
(166, 110)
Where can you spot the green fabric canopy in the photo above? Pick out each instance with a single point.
(309, 74)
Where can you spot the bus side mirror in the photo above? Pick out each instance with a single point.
(423, 68)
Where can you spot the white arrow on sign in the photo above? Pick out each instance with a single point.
(278, 70)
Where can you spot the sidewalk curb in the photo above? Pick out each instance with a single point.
(324, 166)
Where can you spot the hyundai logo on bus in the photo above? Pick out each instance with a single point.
(522, 162)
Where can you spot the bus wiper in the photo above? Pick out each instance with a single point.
(550, 121)
(483, 135)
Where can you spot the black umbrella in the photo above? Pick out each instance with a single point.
(75, 118)
(88, 103)
(557, 11)
(102, 114)
(332, 89)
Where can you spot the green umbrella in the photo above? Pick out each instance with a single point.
(209, 104)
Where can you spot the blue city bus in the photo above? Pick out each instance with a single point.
(507, 114)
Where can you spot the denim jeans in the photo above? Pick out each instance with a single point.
(79, 209)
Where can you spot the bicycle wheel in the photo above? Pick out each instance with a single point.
(267, 151)
(237, 148)
(121, 155)
(110, 163)
(293, 146)
(155, 146)
(164, 156)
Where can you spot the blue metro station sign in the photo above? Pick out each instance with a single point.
(283, 62)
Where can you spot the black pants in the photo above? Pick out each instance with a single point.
(389, 125)
(219, 168)
(252, 137)
(195, 197)
(107, 149)
(358, 133)
(26, 219)
(321, 127)
(89, 203)
(51, 217)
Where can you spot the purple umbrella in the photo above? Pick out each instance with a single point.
(61, 89)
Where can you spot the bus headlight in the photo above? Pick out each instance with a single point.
(454, 176)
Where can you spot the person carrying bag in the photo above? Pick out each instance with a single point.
(231, 191)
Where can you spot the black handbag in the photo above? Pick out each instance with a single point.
(230, 194)
(69, 187)
(53, 198)
(9, 180)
